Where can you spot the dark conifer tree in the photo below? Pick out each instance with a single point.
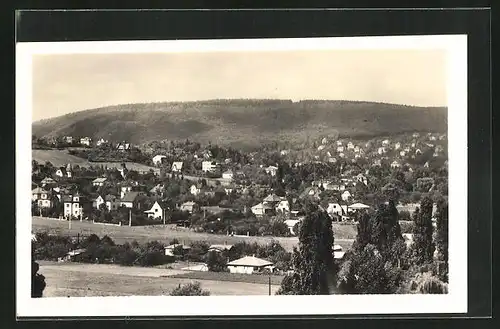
(313, 264)
(423, 246)
(442, 238)
(37, 281)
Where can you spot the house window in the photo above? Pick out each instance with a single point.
(156, 210)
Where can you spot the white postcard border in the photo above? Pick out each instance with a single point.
(453, 302)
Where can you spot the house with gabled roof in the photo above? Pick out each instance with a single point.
(158, 159)
(112, 202)
(157, 211)
(48, 181)
(249, 265)
(177, 166)
(189, 206)
(98, 182)
(132, 199)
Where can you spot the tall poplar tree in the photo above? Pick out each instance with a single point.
(313, 264)
(423, 246)
(442, 238)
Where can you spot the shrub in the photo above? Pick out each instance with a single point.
(190, 289)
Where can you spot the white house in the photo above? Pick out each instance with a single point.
(395, 164)
(334, 209)
(169, 250)
(195, 189)
(123, 146)
(124, 189)
(290, 223)
(86, 141)
(249, 265)
(261, 209)
(283, 206)
(357, 149)
(271, 170)
(402, 153)
(99, 181)
(346, 195)
(63, 172)
(101, 142)
(157, 159)
(209, 166)
(324, 141)
(157, 211)
(321, 147)
(68, 139)
(98, 202)
(397, 146)
(340, 149)
(229, 174)
(350, 146)
(418, 151)
(43, 197)
(381, 150)
(177, 166)
(339, 143)
(386, 142)
(73, 206)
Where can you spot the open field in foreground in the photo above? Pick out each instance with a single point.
(87, 280)
(122, 234)
(234, 277)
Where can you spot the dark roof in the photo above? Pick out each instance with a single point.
(110, 197)
(130, 196)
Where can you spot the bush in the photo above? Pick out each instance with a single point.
(406, 226)
(190, 289)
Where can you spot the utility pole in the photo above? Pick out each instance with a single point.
(130, 217)
(269, 284)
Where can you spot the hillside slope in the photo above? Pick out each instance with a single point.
(244, 121)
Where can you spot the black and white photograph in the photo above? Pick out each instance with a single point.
(252, 175)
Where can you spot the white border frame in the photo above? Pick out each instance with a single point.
(453, 302)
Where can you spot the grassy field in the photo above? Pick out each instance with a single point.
(122, 234)
(62, 157)
(232, 277)
(87, 280)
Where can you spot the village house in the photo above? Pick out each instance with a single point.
(98, 182)
(43, 197)
(340, 149)
(342, 155)
(75, 206)
(346, 195)
(262, 209)
(418, 151)
(335, 209)
(158, 159)
(249, 265)
(68, 139)
(381, 150)
(324, 141)
(112, 202)
(209, 166)
(47, 181)
(361, 178)
(355, 207)
(124, 189)
(229, 174)
(290, 223)
(72, 255)
(63, 172)
(157, 190)
(132, 200)
(332, 160)
(402, 153)
(169, 250)
(311, 192)
(416, 135)
(321, 147)
(177, 166)
(283, 206)
(385, 142)
(123, 146)
(397, 146)
(157, 211)
(338, 253)
(357, 149)
(395, 164)
(98, 202)
(101, 141)
(350, 146)
(271, 170)
(85, 141)
(195, 189)
(284, 152)
(189, 206)
(339, 143)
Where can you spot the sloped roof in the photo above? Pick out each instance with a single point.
(177, 164)
(359, 206)
(250, 261)
(110, 197)
(272, 198)
(99, 180)
(130, 196)
(220, 247)
(39, 190)
(262, 205)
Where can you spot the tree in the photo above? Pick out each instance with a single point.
(423, 246)
(442, 238)
(313, 265)
(190, 289)
(216, 262)
(37, 281)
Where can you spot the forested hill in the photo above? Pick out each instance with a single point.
(244, 121)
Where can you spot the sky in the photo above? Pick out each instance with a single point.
(72, 82)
